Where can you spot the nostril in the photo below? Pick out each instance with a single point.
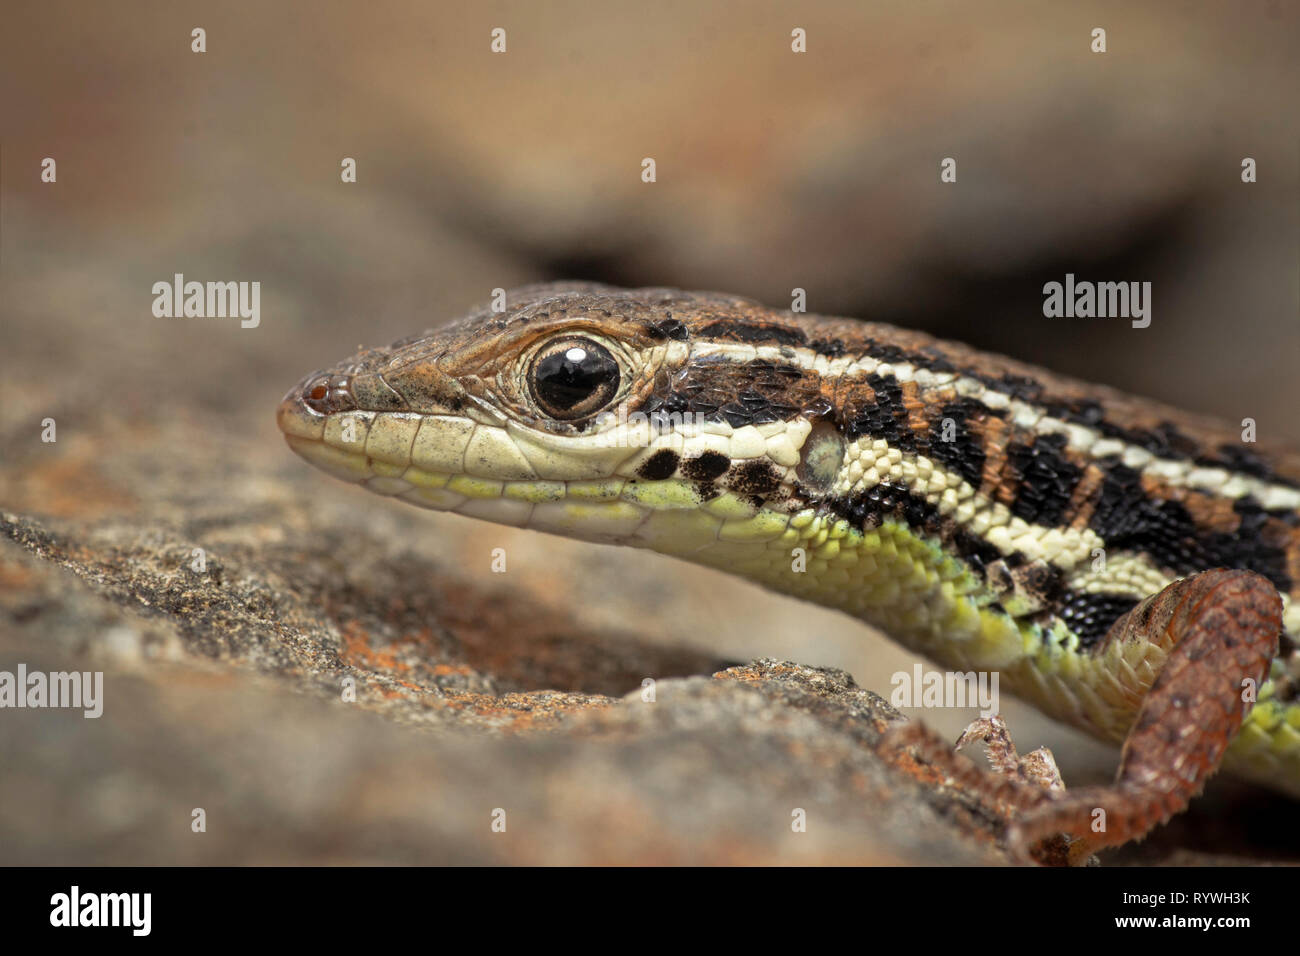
(328, 393)
(315, 395)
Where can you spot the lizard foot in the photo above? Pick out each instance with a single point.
(1221, 629)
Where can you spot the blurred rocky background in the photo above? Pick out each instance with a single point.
(477, 170)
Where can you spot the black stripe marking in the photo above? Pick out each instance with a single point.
(964, 454)
(1126, 518)
(1046, 479)
(749, 393)
(895, 355)
(754, 333)
(831, 348)
(1017, 386)
(867, 509)
(886, 417)
(1091, 616)
(1080, 411)
(1251, 547)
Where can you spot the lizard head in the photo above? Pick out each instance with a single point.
(646, 417)
(697, 425)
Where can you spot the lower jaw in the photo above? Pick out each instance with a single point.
(662, 515)
(592, 510)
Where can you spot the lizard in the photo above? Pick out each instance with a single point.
(1126, 567)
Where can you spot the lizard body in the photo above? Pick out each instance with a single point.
(985, 513)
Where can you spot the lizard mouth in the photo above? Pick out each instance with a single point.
(416, 456)
(456, 464)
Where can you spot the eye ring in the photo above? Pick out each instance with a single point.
(573, 377)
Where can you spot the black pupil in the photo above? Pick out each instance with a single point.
(573, 374)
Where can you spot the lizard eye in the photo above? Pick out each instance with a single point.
(573, 378)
